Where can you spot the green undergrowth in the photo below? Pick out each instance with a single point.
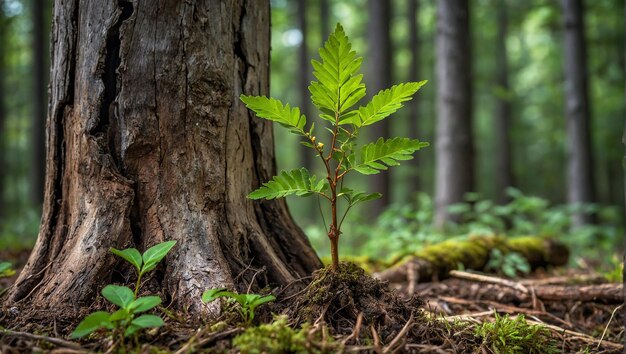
(279, 337)
(507, 335)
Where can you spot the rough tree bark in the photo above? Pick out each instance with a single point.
(147, 141)
(40, 85)
(454, 172)
(580, 181)
(380, 77)
(502, 123)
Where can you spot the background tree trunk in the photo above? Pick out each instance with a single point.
(454, 173)
(3, 111)
(502, 123)
(40, 85)
(580, 184)
(303, 81)
(414, 184)
(147, 141)
(379, 77)
(324, 20)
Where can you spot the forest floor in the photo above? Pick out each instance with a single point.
(467, 313)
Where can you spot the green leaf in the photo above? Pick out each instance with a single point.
(146, 321)
(119, 295)
(145, 303)
(212, 294)
(385, 103)
(255, 300)
(131, 255)
(5, 270)
(119, 315)
(272, 109)
(153, 255)
(298, 182)
(374, 157)
(355, 197)
(91, 323)
(339, 86)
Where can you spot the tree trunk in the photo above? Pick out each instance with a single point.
(324, 20)
(40, 84)
(414, 184)
(147, 141)
(502, 124)
(454, 141)
(3, 111)
(303, 80)
(580, 184)
(379, 78)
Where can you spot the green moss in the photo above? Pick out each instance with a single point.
(513, 336)
(279, 337)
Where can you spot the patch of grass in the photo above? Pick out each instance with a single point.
(513, 336)
(279, 337)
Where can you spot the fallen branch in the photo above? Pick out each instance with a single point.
(56, 341)
(436, 261)
(489, 279)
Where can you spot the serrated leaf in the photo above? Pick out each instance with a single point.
(131, 255)
(91, 323)
(119, 295)
(371, 156)
(153, 255)
(339, 85)
(145, 303)
(386, 102)
(272, 109)
(295, 182)
(354, 197)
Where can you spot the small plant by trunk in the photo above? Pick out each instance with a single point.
(337, 90)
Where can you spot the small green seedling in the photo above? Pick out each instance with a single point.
(514, 335)
(247, 302)
(6, 270)
(124, 321)
(338, 88)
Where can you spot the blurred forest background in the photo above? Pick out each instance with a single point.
(511, 178)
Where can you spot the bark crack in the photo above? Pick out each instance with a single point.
(107, 128)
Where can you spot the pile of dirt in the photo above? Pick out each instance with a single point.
(341, 297)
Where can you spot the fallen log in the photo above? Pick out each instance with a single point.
(436, 261)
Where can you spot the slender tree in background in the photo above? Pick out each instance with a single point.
(454, 175)
(502, 116)
(379, 77)
(40, 84)
(303, 78)
(324, 20)
(147, 141)
(413, 184)
(580, 183)
(3, 111)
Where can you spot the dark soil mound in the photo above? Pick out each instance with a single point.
(339, 297)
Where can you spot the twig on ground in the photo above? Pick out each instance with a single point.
(56, 341)
(607, 325)
(489, 279)
(390, 348)
(357, 329)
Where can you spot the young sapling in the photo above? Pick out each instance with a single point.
(337, 90)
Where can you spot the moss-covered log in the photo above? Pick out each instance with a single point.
(436, 261)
